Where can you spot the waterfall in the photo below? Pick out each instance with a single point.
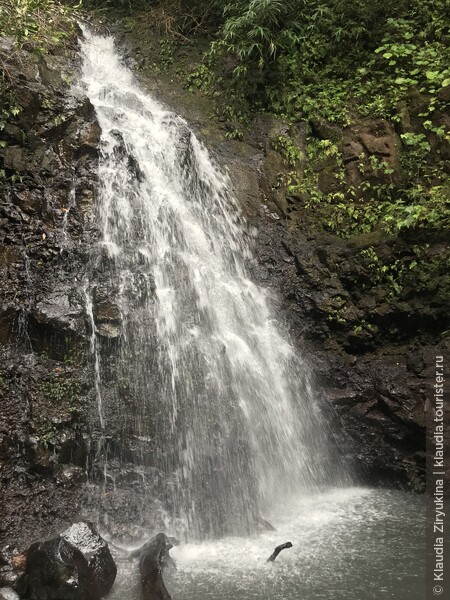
(214, 403)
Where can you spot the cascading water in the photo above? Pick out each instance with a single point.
(186, 350)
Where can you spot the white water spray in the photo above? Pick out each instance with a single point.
(224, 399)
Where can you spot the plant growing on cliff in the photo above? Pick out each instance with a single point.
(414, 54)
(292, 154)
(40, 24)
(61, 389)
(326, 58)
(389, 274)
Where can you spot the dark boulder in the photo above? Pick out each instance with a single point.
(76, 565)
(154, 557)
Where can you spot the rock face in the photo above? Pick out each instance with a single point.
(48, 157)
(76, 565)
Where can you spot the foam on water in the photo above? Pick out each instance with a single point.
(352, 544)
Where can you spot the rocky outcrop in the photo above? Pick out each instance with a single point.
(370, 324)
(48, 165)
(370, 337)
(76, 565)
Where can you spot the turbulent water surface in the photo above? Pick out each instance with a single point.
(348, 544)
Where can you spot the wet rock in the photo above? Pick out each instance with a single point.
(14, 134)
(153, 557)
(326, 131)
(371, 138)
(43, 461)
(6, 327)
(88, 139)
(106, 310)
(10, 578)
(7, 44)
(4, 446)
(270, 132)
(47, 231)
(30, 100)
(50, 74)
(15, 159)
(108, 330)
(444, 94)
(76, 565)
(19, 561)
(73, 474)
(73, 452)
(106, 313)
(60, 311)
(86, 110)
(352, 150)
(27, 200)
(8, 594)
(12, 569)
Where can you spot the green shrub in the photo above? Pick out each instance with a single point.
(39, 23)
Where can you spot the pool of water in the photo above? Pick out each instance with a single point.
(352, 544)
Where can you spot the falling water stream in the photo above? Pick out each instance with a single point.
(189, 357)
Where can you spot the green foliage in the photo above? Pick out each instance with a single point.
(336, 309)
(320, 154)
(178, 18)
(204, 79)
(417, 140)
(121, 5)
(167, 47)
(10, 110)
(256, 31)
(36, 26)
(76, 356)
(422, 271)
(389, 274)
(46, 433)
(293, 155)
(60, 394)
(419, 208)
(409, 58)
(40, 24)
(59, 389)
(330, 58)
(421, 202)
